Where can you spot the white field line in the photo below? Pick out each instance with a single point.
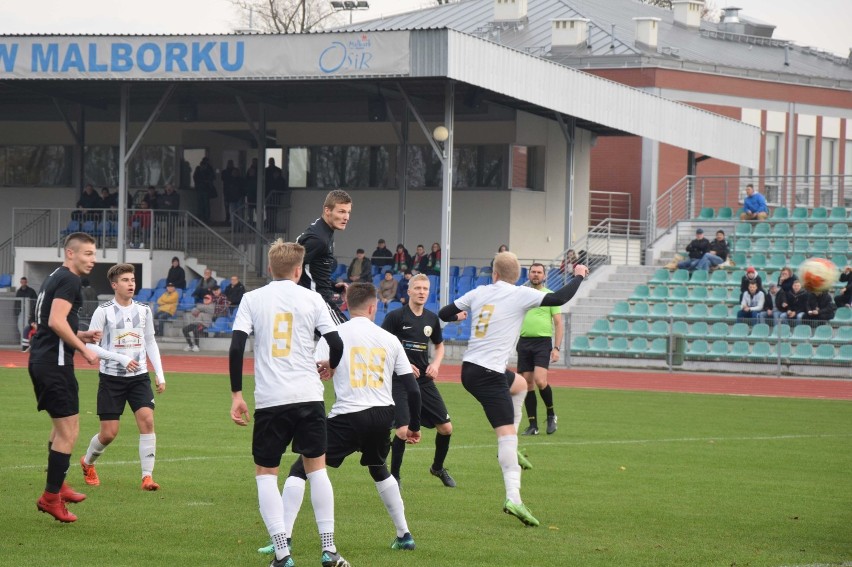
(428, 446)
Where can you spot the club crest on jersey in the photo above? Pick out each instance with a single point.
(427, 330)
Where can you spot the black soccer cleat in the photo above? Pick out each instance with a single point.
(445, 477)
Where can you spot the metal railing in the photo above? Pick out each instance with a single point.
(690, 195)
(609, 205)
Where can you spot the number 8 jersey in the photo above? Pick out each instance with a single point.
(283, 316)
(496, 314)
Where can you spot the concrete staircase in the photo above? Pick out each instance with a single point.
(221, 260)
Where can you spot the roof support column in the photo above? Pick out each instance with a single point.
(447, 189)
(122, 172)
(569, 131)
(261, 179)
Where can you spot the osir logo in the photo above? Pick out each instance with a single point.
(427, 330)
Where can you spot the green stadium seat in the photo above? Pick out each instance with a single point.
(844, 354)
(707, 213)
(699, 329)
(823, 334)
(761, 229)
(580, 345)
(698, 294)
(843, 336)
(781, 332)
(638, 346)
(657, 347)
(698, 348)
(840, 260)
(719, 277)
(620, 327)
(699, 277)
(776, 261)
(641, 309)
(761, 245)
(639, 328)
(781, 230)
(735, 296)
(819, 213)
(599, 327)
(770, 278)
(839, 246)
(819, 248)
(725, 213)
(719, 348)
(781, 245)
(679, 293)
(718, 330)
(735, 277)
(799, 213)
(660, 310)
(843, 315)
(761, 351)
(738, 258)
(743, 230)
(824, 352)
(680, 328)
(796, 259)
(599, 345)
(839, 230)
(837, 213)
(618, 346)
(801, 333)
(802, 353)
(718, 294)
(679, 276)
(718, 313)
(699, 312)
(801, 230)
(757, 259)
(739, 331)
(739, 350)
(780, 213)
(743, 245)
(680, 311)
(661, 276)
(620, 309)
(660, 293)
(760, 331)
(819, 230)
(784, 350)
(661, 328)
(640, 293)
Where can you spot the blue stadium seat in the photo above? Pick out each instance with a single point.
(5, 280)
(144, 294)
(469, 271)
(73, 226)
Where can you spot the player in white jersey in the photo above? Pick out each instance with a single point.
(288, 393)
(497, 312)
(369, 399)
(126, 344)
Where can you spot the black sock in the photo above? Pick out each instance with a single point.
(547, 398)
(57, 467)
(442, 447)
(397, 452)
(530, 404)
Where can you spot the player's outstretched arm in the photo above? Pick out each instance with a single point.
(450, 313)
(565, 294)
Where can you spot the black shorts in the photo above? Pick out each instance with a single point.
(491, 389)
(367, 431)
(275, 428)
(433, 411)
(532, 352)
(116, 391)
(56, 389)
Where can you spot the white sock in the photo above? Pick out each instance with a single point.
(392, 499)
(291, 497)
(271, 510)
(95, 450)
(507, 456)
(518, 405)
(322, 499)
(147, 452)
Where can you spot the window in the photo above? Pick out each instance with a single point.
(528, 167)
(473, 167)
(351, 166)
(42, 166)
(150, 165)
(805, 166)
(774, 154)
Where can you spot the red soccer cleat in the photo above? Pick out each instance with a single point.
(68, 494)
(90, 475)
(149, 484)
(53, 504)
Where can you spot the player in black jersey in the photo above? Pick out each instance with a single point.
(415, 326)
(318, 240)
(51, 367)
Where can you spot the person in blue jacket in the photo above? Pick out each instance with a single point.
(754, 205)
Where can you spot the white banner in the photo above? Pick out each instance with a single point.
(205, 57)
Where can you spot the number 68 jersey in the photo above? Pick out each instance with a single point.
(363, 379)
(283, 316)
(496, 314)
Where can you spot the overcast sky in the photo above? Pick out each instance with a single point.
(819, 23)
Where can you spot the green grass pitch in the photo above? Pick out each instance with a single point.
(629, 479)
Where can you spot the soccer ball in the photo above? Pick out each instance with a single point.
(818, 274)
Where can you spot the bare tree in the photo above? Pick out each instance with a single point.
(285, 16)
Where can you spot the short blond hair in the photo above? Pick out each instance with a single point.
(507, 267)
(418, 278)
(284, 258)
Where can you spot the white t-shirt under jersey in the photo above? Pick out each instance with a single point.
(496, 314)
(283, 316)
(363, 379)
(128, 334)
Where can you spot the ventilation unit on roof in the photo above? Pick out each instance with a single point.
(510, 10)
(687, 13)
(646, 32)
(569, 32)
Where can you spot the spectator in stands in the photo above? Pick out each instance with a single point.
(771, 297)
(388, 288)
(109, 200)
(754, 205)
(152, 198)
(176, 274)
(821, 308)
(786, 279)
(750, 277)
(419, 260)
(797, 304)
(233, 188)
(234, 291)
(401, 260)
(197, 321)
(571, 259)
(717, 253)
(89, 199)
(166, 306)
(251, 190)
(433, 264)
(204, 178)
(170, 200)
(360, 269)
(778, 303)
(844, 298)
(26, 295)
(696, 251)
(752, 304)
(501, 248)
(222, 307)
(140, 225)
(402, 287)
(381, 255)
(204, 285)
